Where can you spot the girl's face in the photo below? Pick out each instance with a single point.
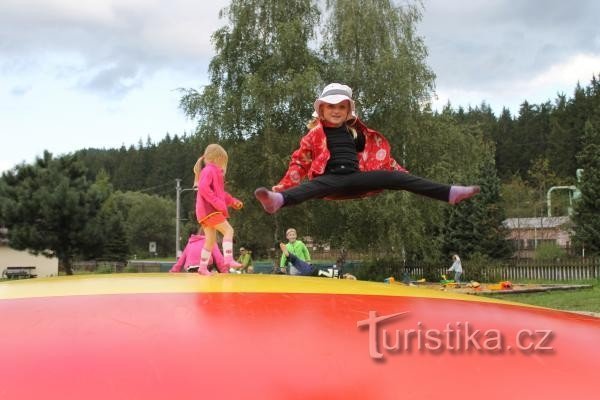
(335, 114)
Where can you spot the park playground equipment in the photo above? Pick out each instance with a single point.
(184, 336)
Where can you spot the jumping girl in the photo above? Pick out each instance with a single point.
(343, 158)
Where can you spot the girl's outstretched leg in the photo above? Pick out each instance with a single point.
(271, 201)
(227, 232)
(460, 193)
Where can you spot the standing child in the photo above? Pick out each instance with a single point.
(211, 205)
(297, 248)
(457, 268)
(343, 158)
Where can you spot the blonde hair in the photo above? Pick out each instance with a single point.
(213, 153)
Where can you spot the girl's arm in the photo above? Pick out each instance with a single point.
(299, 165)
(206, 191)
(233, 202)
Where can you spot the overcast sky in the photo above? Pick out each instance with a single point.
(102, 73)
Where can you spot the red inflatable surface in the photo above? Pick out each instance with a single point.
(160, 336)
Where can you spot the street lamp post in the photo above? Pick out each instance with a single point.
(178, 191)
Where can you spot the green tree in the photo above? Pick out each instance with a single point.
(505, 137)
(108, 239)
(518, 198)
(378, 53)
(475, 227)
(541, 178)
(263, 80)
(587, 208)
(46, 207)
(147, 218)
(374, 47)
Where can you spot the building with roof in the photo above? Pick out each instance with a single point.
(22, 263)
(526, 234)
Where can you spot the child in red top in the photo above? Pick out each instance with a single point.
(211, 205)
(343, 158)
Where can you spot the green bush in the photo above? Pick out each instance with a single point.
(104, 269)
(379, 268)
(130, 269)
(549, 251)
(479, 268)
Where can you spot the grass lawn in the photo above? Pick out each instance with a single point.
(574, 300)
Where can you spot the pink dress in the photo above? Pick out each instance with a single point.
(212, 197)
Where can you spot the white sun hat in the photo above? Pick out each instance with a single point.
(335, 93)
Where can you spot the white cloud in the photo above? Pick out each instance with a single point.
(102, 72)
(578, 68)
(538, 88)
(98, 73)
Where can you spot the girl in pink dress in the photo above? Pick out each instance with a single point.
(211, 205)
(190, 258)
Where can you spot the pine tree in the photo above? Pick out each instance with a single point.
(263, 81)
(46, 207)
(475, 226)
(587, 208)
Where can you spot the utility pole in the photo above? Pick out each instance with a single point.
(178, 191)
(177, 215)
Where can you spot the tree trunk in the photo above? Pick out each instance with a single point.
(67, 265)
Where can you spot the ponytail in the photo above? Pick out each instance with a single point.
(197, 169)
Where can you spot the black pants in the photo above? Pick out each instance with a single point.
(356, 183)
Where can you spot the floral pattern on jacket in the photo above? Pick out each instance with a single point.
(311, 158)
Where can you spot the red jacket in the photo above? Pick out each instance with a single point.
(312, 156)
(211, 196)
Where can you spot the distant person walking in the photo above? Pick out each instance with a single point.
(457, 268)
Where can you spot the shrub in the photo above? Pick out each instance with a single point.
(549, 251)
(104, 269)
(378, 268)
